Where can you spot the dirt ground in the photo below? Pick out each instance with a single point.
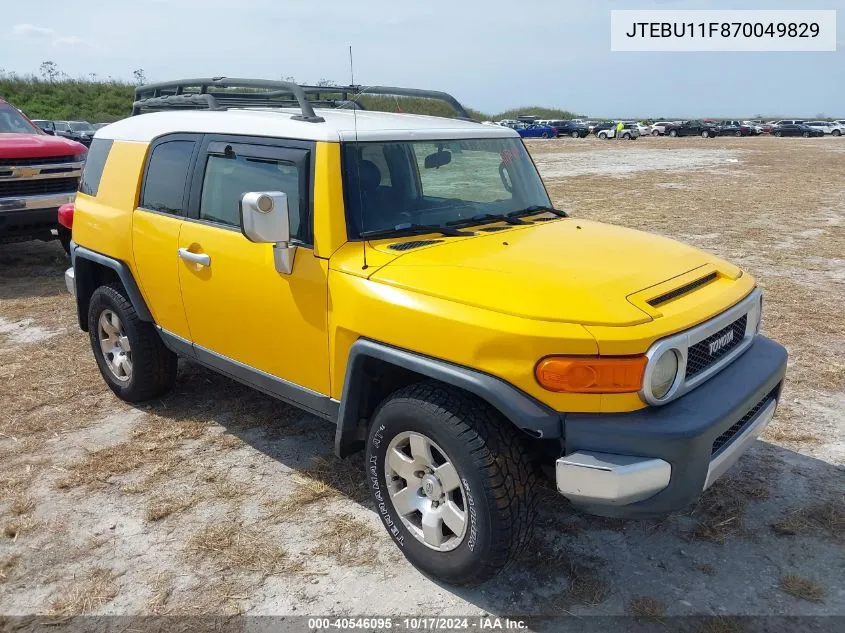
(217, 499)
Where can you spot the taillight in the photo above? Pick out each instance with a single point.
(66, 215)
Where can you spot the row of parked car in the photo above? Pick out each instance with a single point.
(578, 128)
(79, 131)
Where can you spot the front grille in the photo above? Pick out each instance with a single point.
(726, 437)
(699, 357)
(37, 186)
(45, 160)
(406, 246)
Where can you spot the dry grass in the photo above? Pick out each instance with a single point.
(18, 527)
(804, 588)
(307, 492)
(161, 588)
(647, 608)
(241, 548)
(347, 540)
(720, 511)
(86, 595)
(22, 504)
(7, 565)
(160, 506)
(827, 518)
(586, 586)
(153, 443)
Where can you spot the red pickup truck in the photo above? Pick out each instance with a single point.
(38, 174)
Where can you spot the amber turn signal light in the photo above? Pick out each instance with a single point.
(591, 374)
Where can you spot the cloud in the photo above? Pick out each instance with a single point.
(69, 40)
(30, 30)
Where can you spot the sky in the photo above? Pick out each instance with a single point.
(491, 55)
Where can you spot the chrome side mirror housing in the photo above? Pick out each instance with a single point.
(265, 219)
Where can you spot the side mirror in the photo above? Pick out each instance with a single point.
(50, 132)
(265, 219)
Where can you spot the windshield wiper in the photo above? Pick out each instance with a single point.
(408, 228)
(488, 217)
(538, 208)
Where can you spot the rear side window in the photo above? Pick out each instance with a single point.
(94, 166)
(167, 176)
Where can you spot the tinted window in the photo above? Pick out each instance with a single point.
(167, 174)
(13, 121)
(228, 178)
(94, 165)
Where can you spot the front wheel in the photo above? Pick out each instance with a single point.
(836, 133)
(574, 134)
(779, 134)
(737, 133)
(673, 133)
(129, 352)
(602, 135)
(655, 133)
(806, 135)
(451, 481)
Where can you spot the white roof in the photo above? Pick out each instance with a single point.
(339, 125)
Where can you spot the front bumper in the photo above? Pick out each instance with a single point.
(660, 459)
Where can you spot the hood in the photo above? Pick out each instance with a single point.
(568, 270)
(37, 146)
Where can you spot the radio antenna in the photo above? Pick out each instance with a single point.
(358, 160)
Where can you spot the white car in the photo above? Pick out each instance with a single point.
(828, 127)
(658, 128)
(642, 128)
(629, 132)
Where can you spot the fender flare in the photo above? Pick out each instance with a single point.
(525, 412)
(83, 282)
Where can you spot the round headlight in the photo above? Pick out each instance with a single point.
(664, 373)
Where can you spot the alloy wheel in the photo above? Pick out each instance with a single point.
(115, 345)
(426, 491)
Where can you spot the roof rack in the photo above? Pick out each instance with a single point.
(221, 93)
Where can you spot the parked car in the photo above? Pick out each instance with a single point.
(642, 128)
(630, 132)
(602, 125)
(828, 127)
(62, 128)
(796, 129)
(693, 128)
(38, 174)
(759, 126)
(569, 128)
(735, 128)
(463, 397)
(658, 128)
(83, 131)
(537, 131)
(46, 126)
(790, 122)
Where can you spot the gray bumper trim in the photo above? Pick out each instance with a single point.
(70, 281)
(46, 201)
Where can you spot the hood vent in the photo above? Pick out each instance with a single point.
(493, 229)
(406, 246)
(677, 292)
(546, 219)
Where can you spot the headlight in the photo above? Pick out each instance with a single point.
(663, 374)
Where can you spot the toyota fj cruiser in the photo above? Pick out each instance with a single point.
(408, 279)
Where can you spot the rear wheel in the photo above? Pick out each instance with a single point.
(603, 135)
(836, 133)
(673, 133)
(655, 133)
(130, 354)
(778, 134)
(737, 133)
(806, 135)
(451, 481)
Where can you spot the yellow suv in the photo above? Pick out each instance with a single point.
(408, 279)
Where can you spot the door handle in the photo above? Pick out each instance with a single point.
(200, 259)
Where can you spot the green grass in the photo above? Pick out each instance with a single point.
(106, 101)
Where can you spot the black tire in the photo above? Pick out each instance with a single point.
(835, 133)
(806, 135)
(498, 477)
(574, 134)
(153, 365)
(655, 132)
(64, 238)
(673, 133)
(738, 133)
(779, 134)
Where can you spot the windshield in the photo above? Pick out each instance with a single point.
(436, 182)
(80, 126)
(12, 121)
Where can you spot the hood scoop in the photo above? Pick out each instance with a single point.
(685, 289)
(406, 246)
